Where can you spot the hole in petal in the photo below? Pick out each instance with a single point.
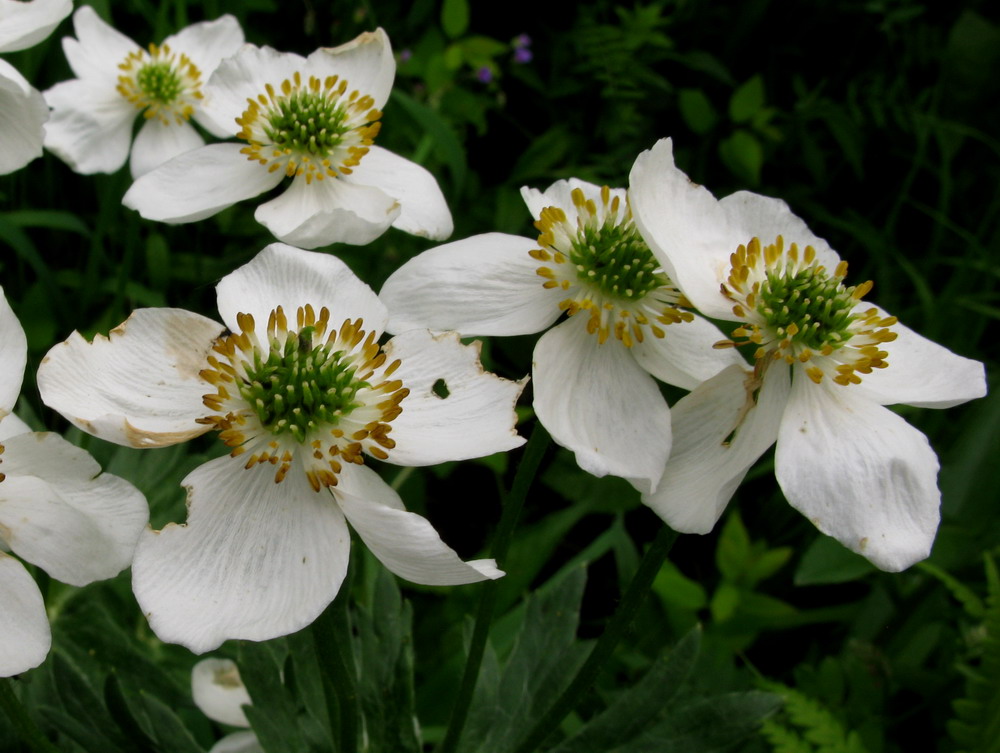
(440, 389)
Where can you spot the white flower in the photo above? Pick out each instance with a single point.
(825, 364)
(25, 24)
(218, 691)
(92, 115)
(298, 386)
(313, 120)
(57, 511)
(592, 374)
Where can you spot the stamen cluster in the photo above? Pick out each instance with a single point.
(795, 310)
(320, 394)
(161, 83)
(316, 128)
(607, 269)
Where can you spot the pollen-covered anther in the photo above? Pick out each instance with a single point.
(302, 394)
(794, 310)
(161, 83)
(314, 128)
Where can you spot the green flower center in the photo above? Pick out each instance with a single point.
(297, 388)
(159, 82)
(615, 260)
(812, 307)
(306, 122)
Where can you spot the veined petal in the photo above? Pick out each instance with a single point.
(598, 402)
(709, 461)
(90, 127)
(476, 417)
(157, 142)
(484, 285)
(255, 560)
(218, 691)
(13, 356)
(97, 49)
(23, 624)
(366, 62)
(59, 512)
(140, 386)
(25, 24)
(922, 373)
(684, 357)
(198, 184)
(289, 277)
(423, 209)
(859, 472)
(403, 541)
(309, 215)
(22, 114)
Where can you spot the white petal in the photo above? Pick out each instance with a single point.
(241, 77)
(11, 426)
(484, 285)
(598, 402)
(423, 209)
(158, 142)
(238, 742)
(98, 48)
(403, 541)
(476, 418)
(22, 114)
(560, 194)
(219, 692)
(90, 127)
(922, 373)
(685, 356)
(25, 24)
(366, 63)
(198, 184)
(860, 473)
(140, 386)
(13, 356)
(290, 277)
(206, 43)
(23, 624)
(309, 215)
(255, 560)
(59, 512)
(704, 470)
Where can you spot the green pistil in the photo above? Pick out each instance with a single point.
(305, 121)
(297, 389)
(159, 82)
(818, 305)
(615, 260)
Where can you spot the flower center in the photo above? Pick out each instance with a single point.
(794, 309)
(606, 269)
(317, 129)
(314, 393)
(161, 83)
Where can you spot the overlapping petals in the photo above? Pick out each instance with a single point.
(22, 115)
(25, 24)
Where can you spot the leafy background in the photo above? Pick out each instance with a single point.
(875, 120)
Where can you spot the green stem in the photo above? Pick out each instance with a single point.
(513, 503)
(613, 633)
(332, 636)
(23, 724)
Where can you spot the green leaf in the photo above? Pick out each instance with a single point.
(455, 17)
(743, 154)
(725, 600)
(747, 100)
(828, 561)
(169, 731)
(697, 111)
(446, 143)
(732, 553)
(675, 589)
(273, 713)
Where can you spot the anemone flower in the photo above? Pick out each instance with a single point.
(116, 80)
(825, 365)
(300, 390)
(57, 511)
(313, 120)
(219, 693)
(593, 374)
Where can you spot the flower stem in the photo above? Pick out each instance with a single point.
(613, 633)
(513, 503)
(332, 636)
(23, 724)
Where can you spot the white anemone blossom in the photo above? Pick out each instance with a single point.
(116, 80)
(219, 693)
(825, 365)
(313, 120)
(593, 374)
(298, 387)
(23, 112)
(57, 511)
